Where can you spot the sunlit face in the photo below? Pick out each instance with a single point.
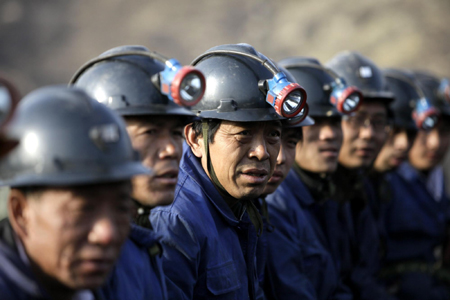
(429, 147)
(395, 150)
(319, 148)
(285, 158)
(159, 141)
(244, 156)
(364, 135)
(74, 235)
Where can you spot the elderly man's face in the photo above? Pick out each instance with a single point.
(243, 155)
(73, 235)
(364, 135)
(429, 147)
(159, 141)
(285, 159)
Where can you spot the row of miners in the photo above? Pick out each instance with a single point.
(236, 177)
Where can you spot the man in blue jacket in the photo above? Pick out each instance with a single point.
(416, 218)
(130, 80)
(211, 230)
(364, 134)
(69, 206)
(301, 244)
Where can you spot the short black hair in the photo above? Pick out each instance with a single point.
(213, 126)
(31, 191)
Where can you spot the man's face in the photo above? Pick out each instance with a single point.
(159, 140)
(319, 149)
(74, 235)
(429, 147)
(285, 159)
(244, 156)
(364, 135)
(395, 150)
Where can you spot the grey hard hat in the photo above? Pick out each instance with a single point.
(430, 86)
(124, 83)
(232, 84)
(406, 91)
(359, 71)
(67, 138)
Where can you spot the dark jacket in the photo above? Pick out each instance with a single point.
(301, 262)
(208, 252)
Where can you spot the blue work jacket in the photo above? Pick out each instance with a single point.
(207, 252)
(300, 263)
(415, 219)
(132, 277)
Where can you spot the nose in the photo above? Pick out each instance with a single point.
(281, 158)
(433, 139)
(401, 141)
(367, 131)
(169, 148)
(328, 132)
(259, 148)
(103, 232)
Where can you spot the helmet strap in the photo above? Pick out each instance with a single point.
(237, 206)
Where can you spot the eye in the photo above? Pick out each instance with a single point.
(275, 133)
(150, 132)
(244, 133)
(292, 143)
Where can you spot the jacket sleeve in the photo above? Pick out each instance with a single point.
(180, 253)
(285, 276)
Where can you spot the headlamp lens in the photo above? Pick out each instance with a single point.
(430, 122)
(351, 103)
(292, 102)
(191, 88)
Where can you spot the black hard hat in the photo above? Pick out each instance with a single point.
(67, 138)
(316, 80)
(232, 84)
(430, 85)
(359, 71)
(406, 92)
(307, 121)
(124, 83)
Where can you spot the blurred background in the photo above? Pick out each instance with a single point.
(44, 42)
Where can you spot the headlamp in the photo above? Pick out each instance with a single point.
(183, 85)
(299, 117)
(347, 99)
(425, 115)
(286, 97)
(444, 89)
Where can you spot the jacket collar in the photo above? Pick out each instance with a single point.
(293, 181)
(191, 165)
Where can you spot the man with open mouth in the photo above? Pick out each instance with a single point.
(69, 207)
(211, 230)
(364, 134)
(300, 245)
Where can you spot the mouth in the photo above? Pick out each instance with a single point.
(277, 176)
(166, 177)
(95, 266)
(330, 152)
(365, 151)
(255, 176)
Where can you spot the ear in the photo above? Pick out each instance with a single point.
(196, 143)
(18, 212)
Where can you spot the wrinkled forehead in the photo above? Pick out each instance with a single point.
(252, 125)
